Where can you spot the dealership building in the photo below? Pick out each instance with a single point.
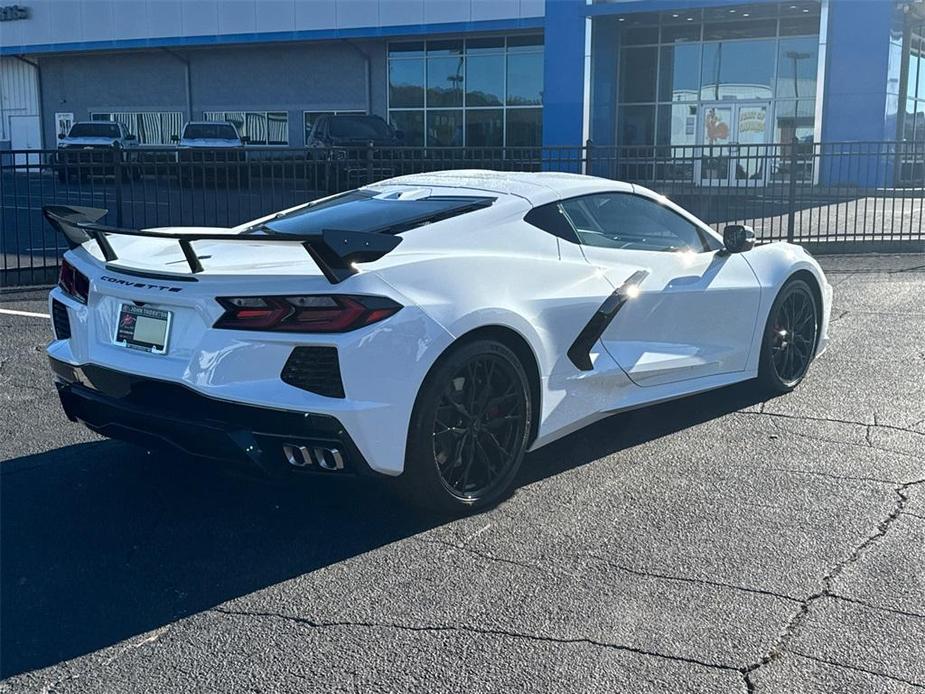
(470, 72)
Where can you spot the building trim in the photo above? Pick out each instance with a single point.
(637, 6)
(820, 78)
(282, 36)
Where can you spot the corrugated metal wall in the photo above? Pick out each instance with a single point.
(19, 93)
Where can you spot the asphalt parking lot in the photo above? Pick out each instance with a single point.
(715, 544)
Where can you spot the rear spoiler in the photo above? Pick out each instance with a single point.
(334, 251)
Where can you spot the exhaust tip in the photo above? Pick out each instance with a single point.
(330, 459)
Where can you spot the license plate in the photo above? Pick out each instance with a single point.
(144, 328)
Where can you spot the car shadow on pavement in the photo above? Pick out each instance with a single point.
(634, 427)
(102, 541)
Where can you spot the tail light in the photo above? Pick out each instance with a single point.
(304, 314)
(73, 282)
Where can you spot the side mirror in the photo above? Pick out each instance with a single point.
(245, 139)
(174, 138)
(61, 136)
(738, 238)
(400, 135)
(130, 136)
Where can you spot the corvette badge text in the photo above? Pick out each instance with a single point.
(141, 285)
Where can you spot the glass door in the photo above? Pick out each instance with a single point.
(751, 151)
(733, 144)
(717, 133)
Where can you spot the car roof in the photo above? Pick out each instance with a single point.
(537, 187)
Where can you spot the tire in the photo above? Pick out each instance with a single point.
(469, 429)
(790, 337)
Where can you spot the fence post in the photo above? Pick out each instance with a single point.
(117, 179)
(588, 169)
(792, 195)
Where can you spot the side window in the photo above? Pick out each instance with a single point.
(551, 219)
(632, 222)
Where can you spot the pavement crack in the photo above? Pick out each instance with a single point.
(916, 268)
(478, 553)
(468, 629)
(830, 420)
(696, 581)
(50, 687)
(832, 475)
(839, 282)
(150, 638)
(872, 606)
(875, 673)
(867, 436)
(826, 590)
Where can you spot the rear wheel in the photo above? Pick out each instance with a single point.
(790, 336)
(469, 429)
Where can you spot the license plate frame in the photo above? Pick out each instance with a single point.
(154, 324)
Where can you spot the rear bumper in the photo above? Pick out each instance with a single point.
(151, 412)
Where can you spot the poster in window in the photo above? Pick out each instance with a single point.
(63, 123)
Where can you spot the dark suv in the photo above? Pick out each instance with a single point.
(358, 149)
(352, 131)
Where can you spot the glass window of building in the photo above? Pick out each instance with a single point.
(406, 83)
(523, 127)
(260, 127)
(737, 70)
(151, 128)
(478, 92)
(912, 126)
(485, 80)
(728, 74)
(912, 118)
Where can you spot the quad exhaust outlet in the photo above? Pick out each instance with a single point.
(305, 456)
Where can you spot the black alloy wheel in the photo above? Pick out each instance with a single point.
(790, 337)
(478, 424)
(470, 428)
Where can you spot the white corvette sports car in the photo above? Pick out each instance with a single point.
(431, 327)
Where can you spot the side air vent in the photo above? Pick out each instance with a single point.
(315, 369)
(60, 320)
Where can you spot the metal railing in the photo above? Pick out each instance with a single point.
(859, 195)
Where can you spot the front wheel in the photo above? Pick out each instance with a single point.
(469, 429)
(790, 337)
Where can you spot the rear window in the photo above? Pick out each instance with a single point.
(362, 210)
(95, 130)
(209, 131)
(359, 126)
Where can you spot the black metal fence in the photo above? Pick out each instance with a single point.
(863, 195)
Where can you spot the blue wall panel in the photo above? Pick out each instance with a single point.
(605, 40)
(563, 86)
(858, 58)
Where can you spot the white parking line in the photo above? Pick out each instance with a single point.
(29, 314)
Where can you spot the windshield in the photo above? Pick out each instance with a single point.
(209, 131)
(95, 130)
(359, 127)
(362, 210)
